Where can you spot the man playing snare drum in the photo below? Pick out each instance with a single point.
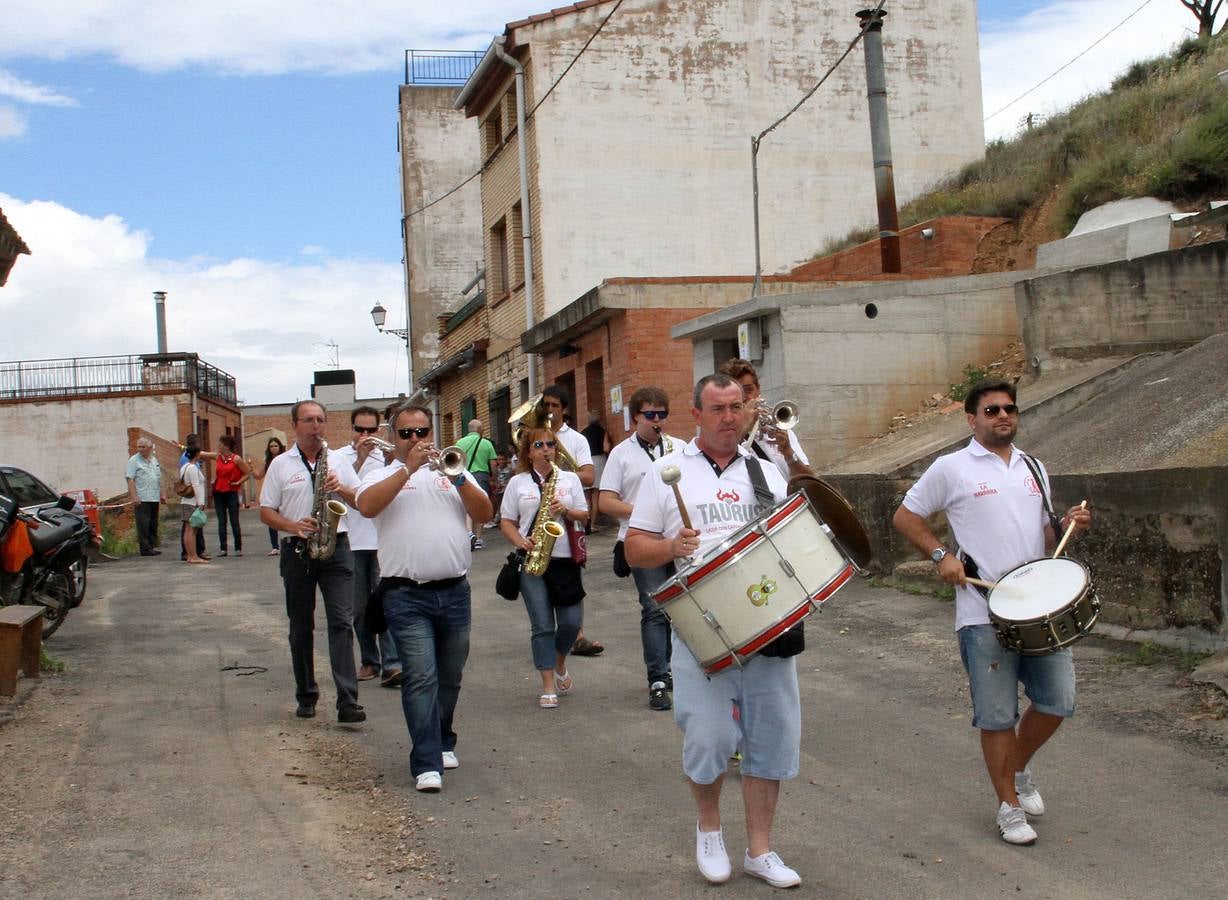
(720, 498)
(996, 508)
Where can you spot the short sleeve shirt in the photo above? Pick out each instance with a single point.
(146, 476)
(479, 452)
(576, 445)
(289, 488)
(522, 498)
(995, 511)
(627, 466)
(778, 458)
(361, 529)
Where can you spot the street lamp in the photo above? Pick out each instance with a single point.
(379, 315)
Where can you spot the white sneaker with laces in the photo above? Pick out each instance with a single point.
(771, 869)
(430, 782)
(1029, 796)
(711, 856)
(449, 760)
(1013, 823)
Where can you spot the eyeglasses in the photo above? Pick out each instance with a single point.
(655, 415)
(366, 429)
(537, 445)
(405, 433)
(993, 409)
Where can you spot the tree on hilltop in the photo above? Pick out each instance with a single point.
(1205, 12)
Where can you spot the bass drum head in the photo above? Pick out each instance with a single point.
(1038, 589)
(836, 512)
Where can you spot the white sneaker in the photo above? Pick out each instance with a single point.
(711, 856)
(449, 760)
(430, 782)
(1013, 823)
(1029, 796)
(770, 868)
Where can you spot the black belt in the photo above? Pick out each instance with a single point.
(393, 582)
(295, 541)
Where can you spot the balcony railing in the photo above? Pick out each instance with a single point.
(99, 375)
(440, 67)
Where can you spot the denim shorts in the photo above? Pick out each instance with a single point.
(994, 674)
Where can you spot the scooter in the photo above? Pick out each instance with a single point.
(43, 558)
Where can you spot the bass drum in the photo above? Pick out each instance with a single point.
(838, 515)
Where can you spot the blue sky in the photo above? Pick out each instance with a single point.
(242, 156)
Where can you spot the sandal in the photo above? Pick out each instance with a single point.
(585, 647)
(549, 701)
(563, 683)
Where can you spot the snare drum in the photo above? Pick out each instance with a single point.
(755, 585)
(1044, 605)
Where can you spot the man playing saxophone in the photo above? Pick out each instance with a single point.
(291, 493)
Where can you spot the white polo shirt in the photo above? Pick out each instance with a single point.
(719, 506)
(576, 444)
(522, 497)
(995, 511)
(778, 458)
(627, 464)
(422, 532)
(362, 529)
(288, 486)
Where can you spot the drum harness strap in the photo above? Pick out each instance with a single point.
(793, 641)
(970, 566)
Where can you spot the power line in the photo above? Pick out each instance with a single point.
(528, 115)
(1071, 62)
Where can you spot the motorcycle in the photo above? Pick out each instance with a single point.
(43, 557)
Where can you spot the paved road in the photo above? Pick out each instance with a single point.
(149, 770)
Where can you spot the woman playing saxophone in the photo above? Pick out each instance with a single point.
(540, 504)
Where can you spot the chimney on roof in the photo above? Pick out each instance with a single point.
(160, 308)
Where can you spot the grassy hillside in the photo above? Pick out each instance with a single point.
(1160, 131)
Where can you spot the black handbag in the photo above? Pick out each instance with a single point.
(507, 584)
(621, 569)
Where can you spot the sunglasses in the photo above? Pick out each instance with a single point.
(366, 429)
(405, 433)
(993, 409)
(654, 415)
(537, 445)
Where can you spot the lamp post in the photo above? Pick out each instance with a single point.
(379, 315)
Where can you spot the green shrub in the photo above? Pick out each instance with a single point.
(972, 376)
(1198, 164)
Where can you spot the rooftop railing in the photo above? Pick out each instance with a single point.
(98, 375)
(440, 67)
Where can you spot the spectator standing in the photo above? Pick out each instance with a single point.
(479, 460)
(273, 449)
(599, 446)
(229, 473)
(144, 476)
(192, 508)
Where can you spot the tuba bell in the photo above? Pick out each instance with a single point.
(532, 415)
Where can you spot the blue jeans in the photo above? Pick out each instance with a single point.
(994, 674)
(552, 629)
(431, 628)
(377, 651)
(654, 626)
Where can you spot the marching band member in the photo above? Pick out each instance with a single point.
(553, 599)
(286, 502)
(424, 559)
(778, 446)
(620, 482)
(996, 507)
(719, 491)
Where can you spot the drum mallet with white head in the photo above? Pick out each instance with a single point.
(671, 475)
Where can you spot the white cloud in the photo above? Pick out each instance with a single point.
(1017, 55)
(12, 122)
(27, 92)
(264, 37)
(86, 290)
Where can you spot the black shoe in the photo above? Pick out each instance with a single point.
(149, 553)
(658, 697)
(223, 553)
(349, 715)
(306, 711)
(155, 552)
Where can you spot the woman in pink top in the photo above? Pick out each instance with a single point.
(230, 471)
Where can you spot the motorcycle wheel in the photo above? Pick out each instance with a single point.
(56, 594)
(77, 576)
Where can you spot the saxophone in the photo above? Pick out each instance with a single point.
(326, 512)
(545, 530)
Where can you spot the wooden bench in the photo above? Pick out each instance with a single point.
(21, 639)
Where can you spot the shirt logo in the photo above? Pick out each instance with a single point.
(1033, 487)
(298, 478)
(443, 483)
(983, 490)
(729, 496)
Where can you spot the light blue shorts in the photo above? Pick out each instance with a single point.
(768, 729)
(994, 675)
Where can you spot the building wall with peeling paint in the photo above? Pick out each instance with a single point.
(644, 148)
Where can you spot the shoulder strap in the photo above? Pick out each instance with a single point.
(762, 493)
(1034, 468)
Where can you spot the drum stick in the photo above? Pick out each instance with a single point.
(1069, 531)
(988, 585)
(671, 475)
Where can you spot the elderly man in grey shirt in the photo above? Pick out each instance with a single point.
(145, 494)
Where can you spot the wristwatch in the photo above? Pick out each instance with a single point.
(458, 481)
(938, 554)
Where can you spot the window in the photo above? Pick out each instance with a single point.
(468, 412)
(25, 488)
(516, 251)
(492, 133)
(509, 109)
(498, 408)
(498, 257)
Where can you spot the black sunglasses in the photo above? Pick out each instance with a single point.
(405, 433)
(653, 415)
(537, 445)
(993, 409)
(366, 429)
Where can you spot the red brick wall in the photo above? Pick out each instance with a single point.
(951, 251)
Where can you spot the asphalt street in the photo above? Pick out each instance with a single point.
(166, 761)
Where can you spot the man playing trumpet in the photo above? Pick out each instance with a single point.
(776, 445)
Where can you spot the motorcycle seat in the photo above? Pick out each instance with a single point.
(51, 534)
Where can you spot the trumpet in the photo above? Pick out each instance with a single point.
(381, 445)
(449, 462)
(784, 416)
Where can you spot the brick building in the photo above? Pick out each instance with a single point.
(334, 389)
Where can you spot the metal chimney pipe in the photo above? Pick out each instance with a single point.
(160, 307)
(880, 139)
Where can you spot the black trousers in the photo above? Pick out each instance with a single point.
(226, 505)
(147, 524)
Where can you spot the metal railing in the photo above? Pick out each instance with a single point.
(440, 67)
(98, 375)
